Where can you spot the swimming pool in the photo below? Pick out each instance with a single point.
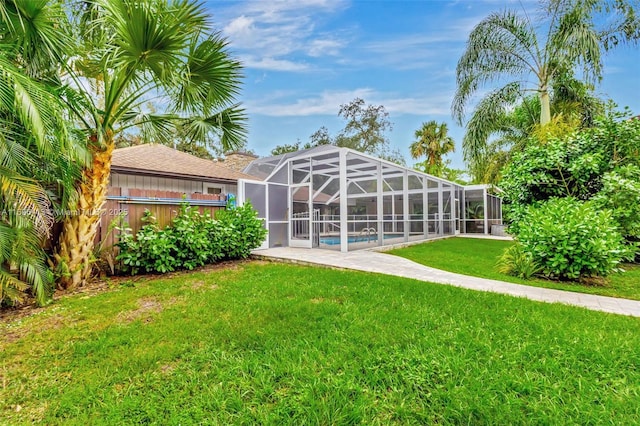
(335, 240)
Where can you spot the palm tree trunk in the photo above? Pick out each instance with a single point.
(73, 257)
(545, 107)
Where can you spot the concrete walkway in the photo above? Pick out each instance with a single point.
(371, 261)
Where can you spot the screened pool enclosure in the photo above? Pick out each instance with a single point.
(337, 198)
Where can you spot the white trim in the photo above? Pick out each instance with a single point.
(307, 243)
(241, 197)
(344, 236)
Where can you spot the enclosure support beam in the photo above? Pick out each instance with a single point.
(463, 212)
(405, 205)
(380, 206)
(486, 210)
(344, 232)
(425, 206)
(440, 210)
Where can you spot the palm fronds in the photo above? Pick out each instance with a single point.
(506, 50)
(501, 46)
(37, 155)
(22, 263)
(432, 141)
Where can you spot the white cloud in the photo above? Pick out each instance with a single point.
(328, 103)
(273, 64)
(276, 11)
(324, 47)
(240, 28)
(421, 50)
(279, 35)
(432, 105)
(288, 34)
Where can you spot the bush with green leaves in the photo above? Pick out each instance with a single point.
(238, 231)
(570, 239)
(189, 232)
(572, 166)
(599, 164)
(151, 250)
(620, 193)
(191, 240)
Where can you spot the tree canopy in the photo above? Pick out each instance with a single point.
(40, 153)
(511, 55)
(433, 142)
(365, 131)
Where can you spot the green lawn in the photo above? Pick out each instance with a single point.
(284, 344)
(478, 257)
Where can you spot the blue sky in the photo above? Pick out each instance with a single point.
(305, 58)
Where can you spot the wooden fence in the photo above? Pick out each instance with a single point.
(130, 204)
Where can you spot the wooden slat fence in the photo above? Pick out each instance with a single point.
(164, 205)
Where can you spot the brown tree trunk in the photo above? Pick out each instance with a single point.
(74, 255)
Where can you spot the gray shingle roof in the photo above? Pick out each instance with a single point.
(160, 160)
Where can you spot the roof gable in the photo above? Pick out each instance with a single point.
(160, 160)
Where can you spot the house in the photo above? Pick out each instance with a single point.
(326, 197)
(158, 178)
(161, 168)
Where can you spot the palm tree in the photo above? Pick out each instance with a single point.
(573, 107)
(506, 49)
(132, 53)
(432, 141)
(37, 152)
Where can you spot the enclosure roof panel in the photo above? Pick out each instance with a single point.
(324, 159)
(264, 167)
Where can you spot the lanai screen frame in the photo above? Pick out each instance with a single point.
(422, 206)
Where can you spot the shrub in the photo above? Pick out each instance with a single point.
(570, 239)
(238, 231)
(189, 232)
(518, 262)
(192, 240)
(621, 194)
(567, 167)
(150, 251)
(600, 164)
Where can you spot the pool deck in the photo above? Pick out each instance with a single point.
(382, 263)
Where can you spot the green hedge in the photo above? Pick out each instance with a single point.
(191, 240)
(569, 239)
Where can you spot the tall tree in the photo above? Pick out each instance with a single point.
(366, 127)
(508, 50)
(364, 131)
(573, 107)
(131, 52)
(433, 142)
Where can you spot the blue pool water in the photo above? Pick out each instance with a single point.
(335, 240)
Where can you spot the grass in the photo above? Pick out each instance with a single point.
(478, 257)
(285, 344)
